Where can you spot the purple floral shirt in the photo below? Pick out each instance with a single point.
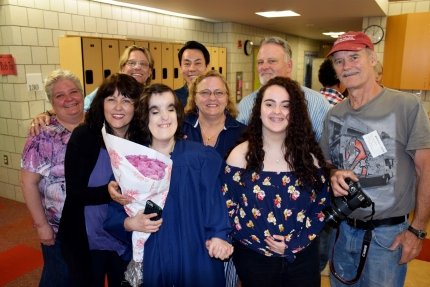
(44, 154)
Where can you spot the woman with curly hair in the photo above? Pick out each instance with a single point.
(275, 188)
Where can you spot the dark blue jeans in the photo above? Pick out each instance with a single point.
(255, 269)
(55, 272)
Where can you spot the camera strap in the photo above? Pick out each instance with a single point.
(363, 255)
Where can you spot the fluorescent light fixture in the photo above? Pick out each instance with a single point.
(333, 34)
(150, 9)
(273, 14)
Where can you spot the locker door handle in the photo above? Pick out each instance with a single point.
(106, 73)
(176, 73)
(164, 73)
(89, 79)
(153, 74)
(220, 70)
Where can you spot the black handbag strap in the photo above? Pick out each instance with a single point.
(363, 255)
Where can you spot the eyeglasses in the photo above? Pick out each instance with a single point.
(208, 93)
(133, 64)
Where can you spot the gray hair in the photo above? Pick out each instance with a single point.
(58, 75)
(278, 41)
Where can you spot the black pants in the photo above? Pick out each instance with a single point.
(108, 263)
(255, 269)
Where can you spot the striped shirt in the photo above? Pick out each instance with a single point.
(318, 107)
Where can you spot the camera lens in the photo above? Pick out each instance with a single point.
(342, 207)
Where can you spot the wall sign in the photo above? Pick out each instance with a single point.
(7, 65)
(34, 82)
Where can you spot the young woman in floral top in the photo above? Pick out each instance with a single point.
(275, 188)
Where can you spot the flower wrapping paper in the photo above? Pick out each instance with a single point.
(142, 173)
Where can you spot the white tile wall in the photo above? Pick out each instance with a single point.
(29, 36)
(43, 5)
(83, 7)
(20, 77)
(422, 6)
(65, 21)
(20, 110)
(3, 126)
(57, 6)
(26, 3)
(16, 15)
(71, 6)
(45, 37)
(21, 54)
(9, 95)
(38, 55)
(50, 19)
(11, 35)
(35, 18)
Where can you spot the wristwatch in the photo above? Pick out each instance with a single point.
(421, 234)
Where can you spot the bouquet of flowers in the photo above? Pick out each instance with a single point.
(143, 174)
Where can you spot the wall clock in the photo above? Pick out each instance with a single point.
(375, 33)
(247, 47)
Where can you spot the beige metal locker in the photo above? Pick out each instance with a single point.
(110, 56)
(92, 55)
(144, 44)
(71, 56)
(124, 44)
(155, 49)
(213, 52)
(222, 61)
(167, 64)
(178, 80)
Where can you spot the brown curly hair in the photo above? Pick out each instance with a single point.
(300, 143)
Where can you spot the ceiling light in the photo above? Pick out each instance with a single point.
(333, 34)
(273, 14)
(150, 9)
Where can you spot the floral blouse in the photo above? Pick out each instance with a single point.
(44, 154)
(270, 203)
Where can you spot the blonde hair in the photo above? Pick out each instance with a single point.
(126, 54)
(191, 106)
(58, 75)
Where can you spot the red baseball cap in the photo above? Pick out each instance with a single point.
(351, 41)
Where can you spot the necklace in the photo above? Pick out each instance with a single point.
(207, 139)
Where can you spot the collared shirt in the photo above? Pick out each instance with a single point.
(318, 107)
(333, 96)
(227, 138)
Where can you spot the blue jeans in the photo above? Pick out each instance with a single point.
(55, 272)
(381, 268)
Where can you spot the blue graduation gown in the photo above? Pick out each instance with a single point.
(176, 255)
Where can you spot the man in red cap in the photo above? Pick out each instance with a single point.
(380, 138)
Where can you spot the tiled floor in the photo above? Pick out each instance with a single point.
(16, 228)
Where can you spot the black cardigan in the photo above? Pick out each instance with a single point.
(82, 153)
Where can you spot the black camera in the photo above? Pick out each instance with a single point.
(343, 206)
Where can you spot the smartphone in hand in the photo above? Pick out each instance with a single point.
(152, 207)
